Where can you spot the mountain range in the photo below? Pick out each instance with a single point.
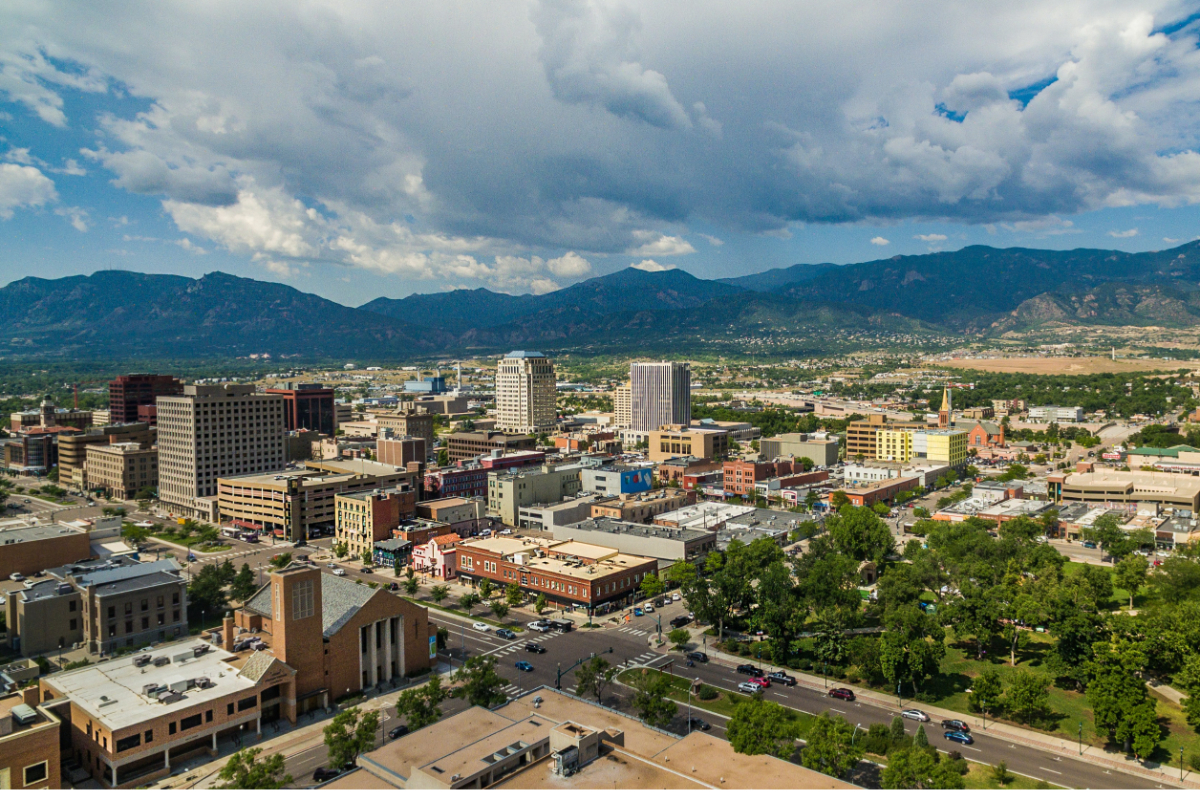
(975, 290)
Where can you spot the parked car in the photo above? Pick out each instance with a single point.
(481, 626)
(339, 571)
(637, 612)
(1090, 545)
(676, 597)
(956, 725)
(505, 633)
(366, 570)
(749, 688)
(781, 677)
(841, 693)
(915, 713)
(534, 647)
(679, 622)
(666, 601)
(393, 587)
(750, 669)
(700, 725)
(539, 625)
(959, 736)
(700, 656)
(398, 731)
(764, 682)
(658, 602)
(16, 576)
(323, 774)
(524, 666)
(564, 625)
(192, 557)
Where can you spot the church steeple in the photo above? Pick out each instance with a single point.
(945, 415)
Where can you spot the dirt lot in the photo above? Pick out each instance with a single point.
(1065, 366)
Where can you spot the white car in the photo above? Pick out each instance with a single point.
(676, 597)
(666, 601)
(481, 626)
(541, 626)
(913, 713)
(31, 582)
(750, 688)
(339, 571)
(16, 576)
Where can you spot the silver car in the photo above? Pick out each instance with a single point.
(914, 713)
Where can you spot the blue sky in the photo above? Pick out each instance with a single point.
(383, 149)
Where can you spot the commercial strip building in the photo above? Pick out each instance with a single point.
(213, 432)
(882, 492)
(121, 470)
(570, 573)
(41, 547)
(650, 541)
(366, 517)
(72, 448)
(642, 507)
(525, 393)
(465, 516)
(822, 451)
(130, 717)
(132, 398)
(509, 491)
(660, 394)
(550, 739)
(1129, 490)
(467, 445)
(1059, 414)
(106, 605)
(29, 743)
(295, 504)
(673, 441)
(307, 406)
(925, 473)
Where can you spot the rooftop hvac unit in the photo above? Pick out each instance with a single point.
(203, 683)
(24, 714)
(65, 588)
(169, 697)
(161, 661)
(151, 689)
(141, 661)
(200, 650)
(182, 686)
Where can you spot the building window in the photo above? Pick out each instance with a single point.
(74, 624)
(145, 623)
(112, 630)
(188, 723)
(128, 743)
(149, 736)
(302, 600)
(36, 773)
(247, 702)
(208, 715)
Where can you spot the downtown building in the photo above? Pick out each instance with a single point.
(307, 406)
(660, 393)
(132, 398)
(214, 432)
(525, 394)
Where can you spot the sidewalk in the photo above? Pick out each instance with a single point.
(1051, 745)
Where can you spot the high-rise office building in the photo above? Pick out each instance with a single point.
(525, 399)
(213, 432)
(128, 392)
(307, 406)
(622, 408)
(660, 394)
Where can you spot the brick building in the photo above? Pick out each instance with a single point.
(364, 518)
(131, 397)
(307, 406)
(467, 445)
(741, 476)
(457, 482)
(29, 743)
(30, 550)
(121, 470)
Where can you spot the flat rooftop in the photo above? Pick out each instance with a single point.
(112, 691)
(609, 525)
(397, 760)
(37, 533)
(701, 515)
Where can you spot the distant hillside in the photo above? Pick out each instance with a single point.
(775, 278)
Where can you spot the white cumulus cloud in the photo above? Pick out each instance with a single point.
(650, 265)
(23, 186)
(930, 237)
(879, 241)
(1124, 234)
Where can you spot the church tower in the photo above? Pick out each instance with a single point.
(945, 416)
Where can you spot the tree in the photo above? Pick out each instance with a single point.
(411, 586)
(227, 572)
(920, 738)
(839, 500)
(468, 601)
(986, 691)
(652, 585)
(133, 535)
(896, 733)
(679, 637)
(243, 770)
(651, 690)
(243, 586)
(513, 595)
(921, 512)
(1000, 773)
(912, 647)
(761, 727)
(806, 463)
(499, 609)
(340, 549)
(594, 677)
(859, 533)
(206, 592)
(52, 475)
(422, 706)
(1028, 696)
(539, 605)
(1189, 682)
(486, 588)
(831, 746)
(1117, 692)
(146, 493)
(1130, 574)
(478, 682)
(368, 558)
(920, 768)
(439, 594)
(350, 733)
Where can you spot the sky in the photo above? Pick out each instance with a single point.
(365, 149)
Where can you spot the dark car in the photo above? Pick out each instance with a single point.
(323, 774)
(750, 669)
(534, 647)
(698, 656)
(366, 570)
(658, 603)
(1090, 545)
(700, 725)
(505, 633)
(959, 736)
(393, 587)
(524, 666)
(841, 693)
(398, 731)
(956, 725)
(679, 622)
(564, 625)
(781, 677)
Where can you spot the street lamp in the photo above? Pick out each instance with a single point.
(899, 697)
(1081, 738)
(1181, 764)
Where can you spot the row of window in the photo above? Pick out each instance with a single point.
(160, 602)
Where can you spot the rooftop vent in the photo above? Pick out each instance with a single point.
(161, 661)
(141, 661)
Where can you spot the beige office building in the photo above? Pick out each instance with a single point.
(623, 407)
(213, 432)
(525, 394)
(121, 470)
(673, 441)
(72, 448)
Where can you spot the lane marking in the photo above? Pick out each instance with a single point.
(1047, 769)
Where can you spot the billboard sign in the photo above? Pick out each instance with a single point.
(637, 480)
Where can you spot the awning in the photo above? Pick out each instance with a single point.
(252, 526)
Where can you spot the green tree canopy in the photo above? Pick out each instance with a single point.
(244, 771)
(594, 677)
(762, 727)
(478, 682)
(650, 700)
(422, 706)
(349, 734)
(830, 746)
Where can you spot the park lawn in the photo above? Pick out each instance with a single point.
(1120, 597)
(979, 776)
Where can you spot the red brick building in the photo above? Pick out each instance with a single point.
(128, 392)
(740, 476)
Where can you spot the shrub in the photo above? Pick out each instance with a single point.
(708, 693)
(794, 663)
(806, 665)
(1194, 760)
